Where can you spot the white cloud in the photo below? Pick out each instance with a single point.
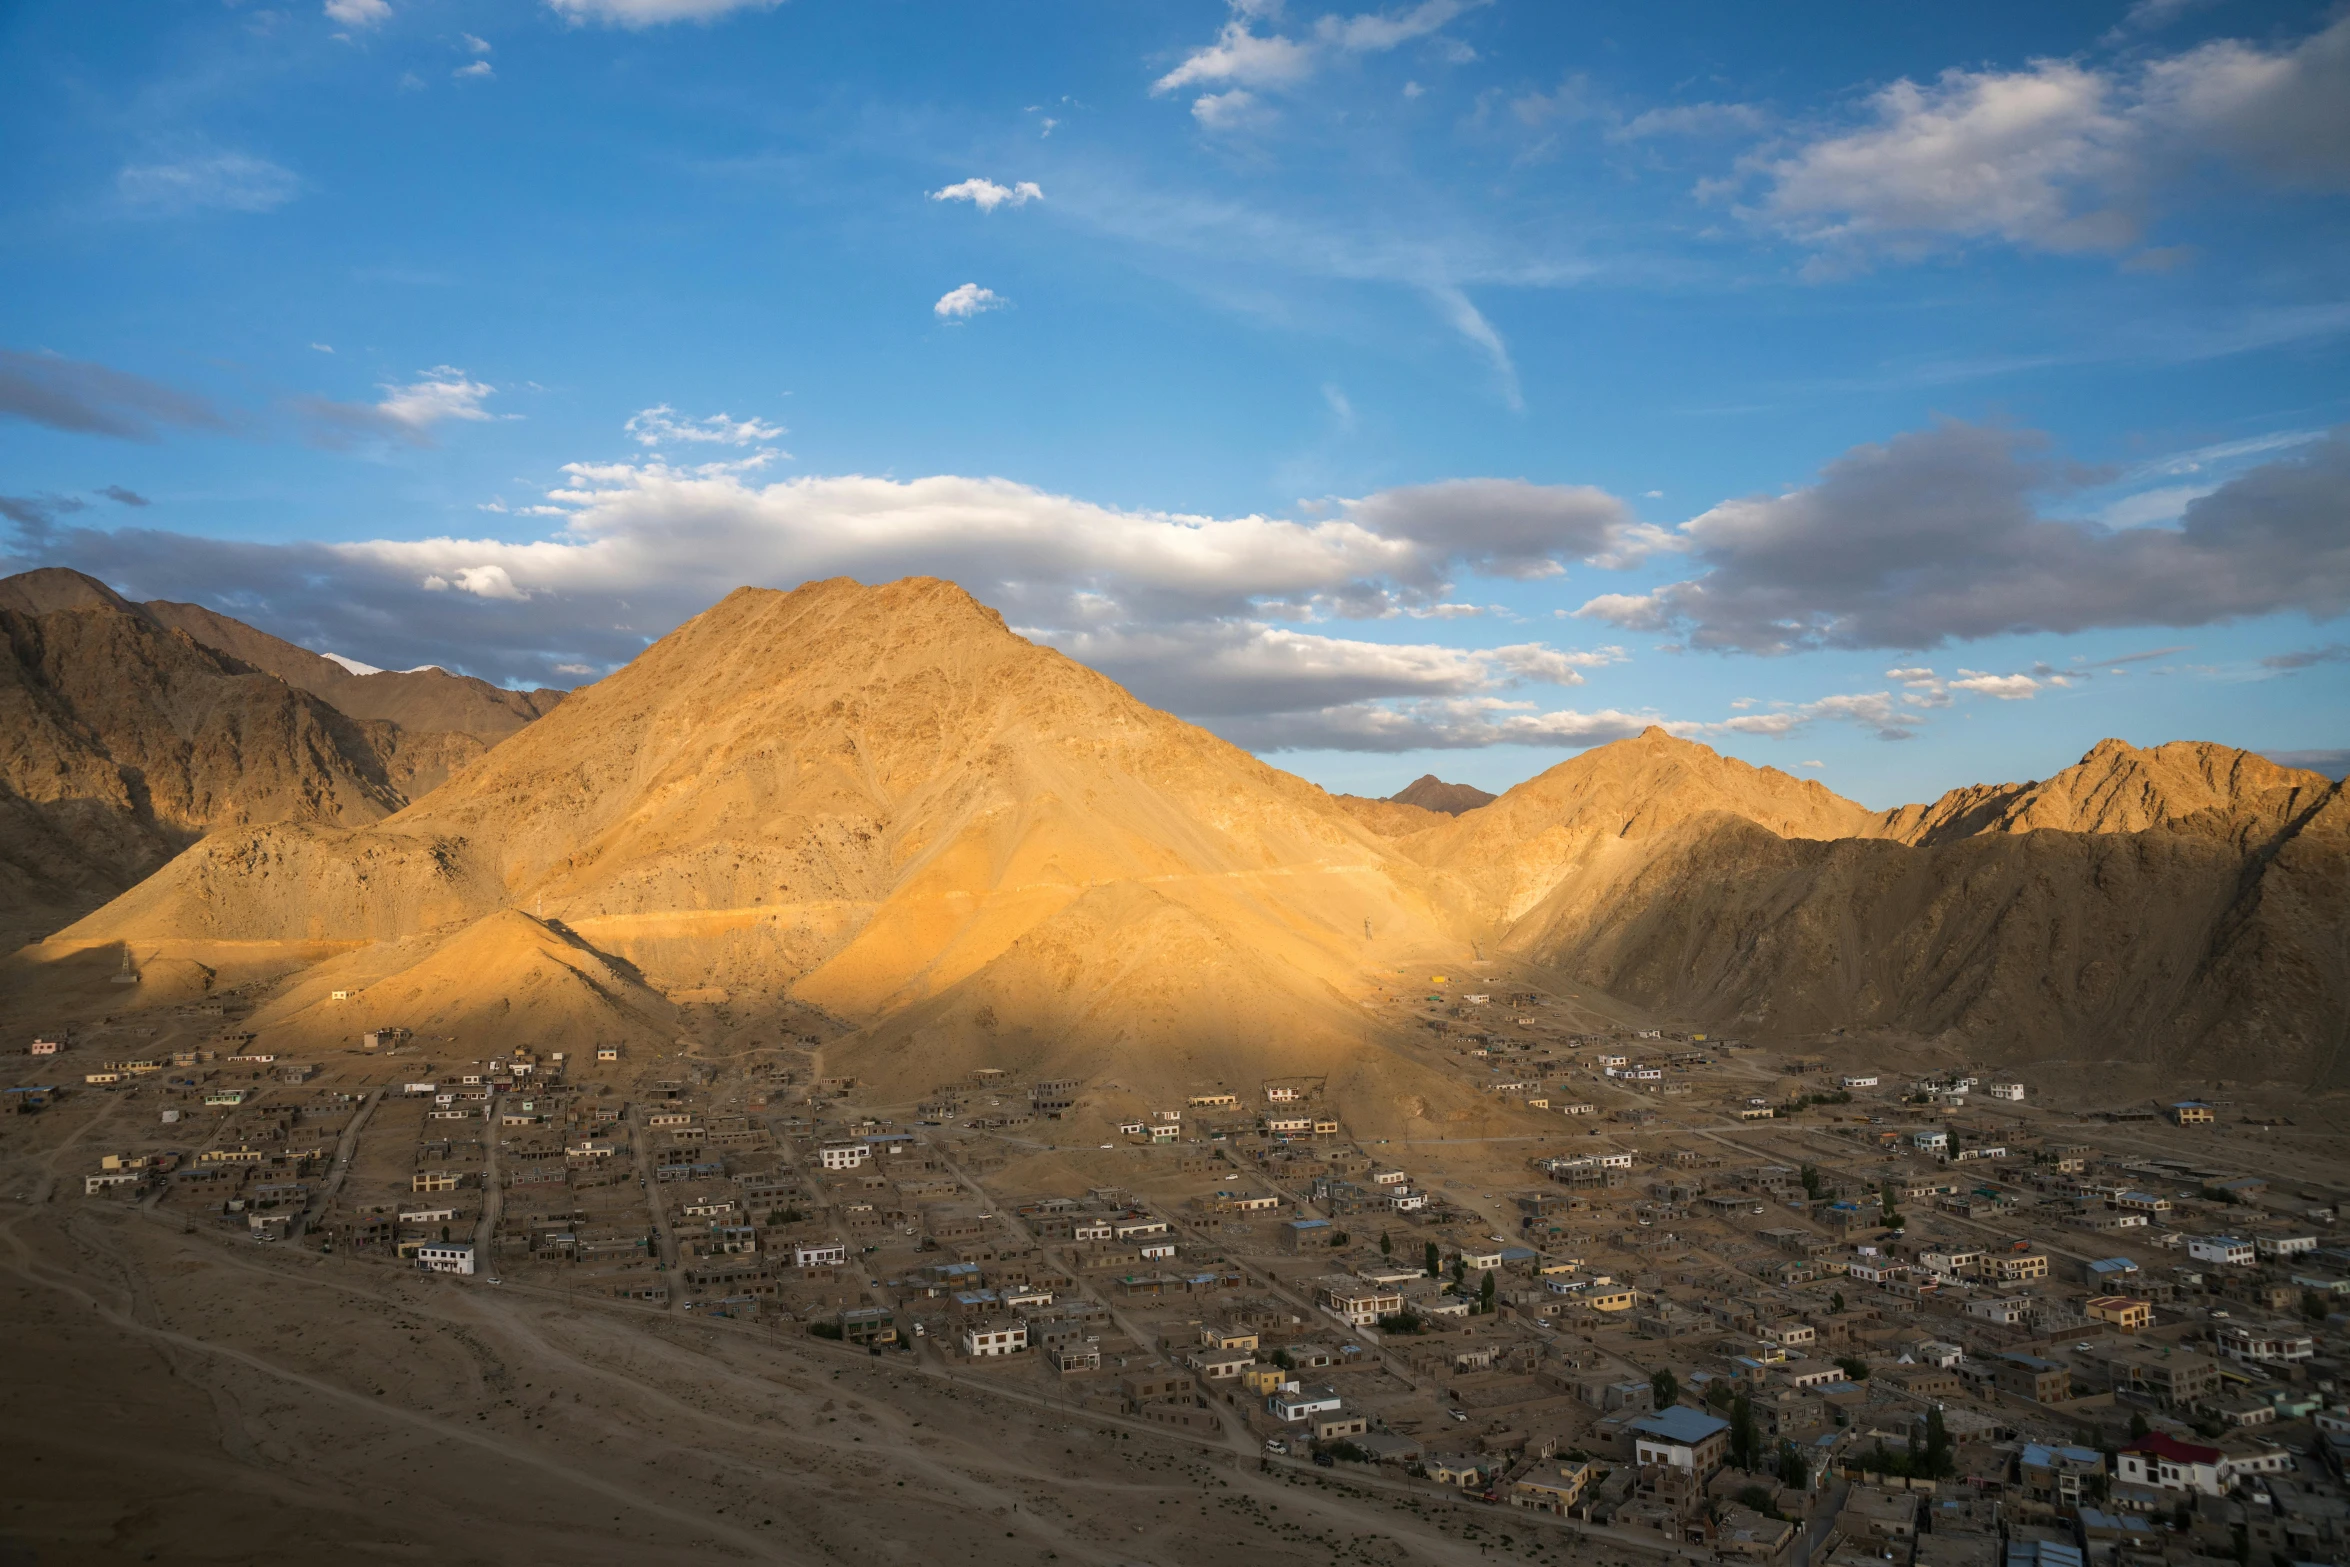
(445, 392)
(358, 13)
(1876, 711)
(653, 13)
(966, 300)
(2037, 157)
(478, 71)
(322, 348)
(1812, 764)
(987, 195)
(405, 413)
(1243, 57)
(227, 181)
(2007, 688)
(2061, 156)
(1455, 724)
(476, 45)
(652, 426)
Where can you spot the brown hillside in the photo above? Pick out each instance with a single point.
(122, 742)
(421, 701)
(1589, 819)
(2185, 786)
(880, 802)
(1390, 818)
(2197, 907)
(1432, 793)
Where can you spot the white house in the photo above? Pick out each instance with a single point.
(1857, 1080)
(1297, 1403)
(2273, 1345)
(446, 1257)
(2012, 1092)
(1931, 1139)
(997, 1336)
(1999, 1309)
(819, 1254)
(843, 1156)
(2220, 1248)
(2292, 1245)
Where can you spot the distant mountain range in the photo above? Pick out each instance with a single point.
(879, 805)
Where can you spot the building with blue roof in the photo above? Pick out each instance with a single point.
(1682, 1437)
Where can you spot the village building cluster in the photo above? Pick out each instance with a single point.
(1723, 1298)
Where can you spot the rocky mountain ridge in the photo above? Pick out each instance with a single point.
(880, 804)
(132, 730)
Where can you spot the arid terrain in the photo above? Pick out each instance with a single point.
(848, 967)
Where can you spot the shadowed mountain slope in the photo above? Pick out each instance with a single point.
(128, 731)
(877, 801)
(880, 803)
(2170, 905)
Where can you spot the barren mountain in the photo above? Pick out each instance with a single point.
(122, 742)
(2168, 905)
(1586, 822)
(876, 801)
(1432, 793)
(880, 803)
(1390, 818)
(134, 729)
(420, 701)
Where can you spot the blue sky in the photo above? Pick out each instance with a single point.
(1899, 397)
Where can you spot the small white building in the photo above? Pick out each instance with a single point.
(1297, 1403)
(445, 1257)
(2011, 1092)
(843, 1156)
(998, 1336)
(2221, 1248)
(819, 1254)
(1851, 1080)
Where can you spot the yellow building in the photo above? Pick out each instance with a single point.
(2125, 1314)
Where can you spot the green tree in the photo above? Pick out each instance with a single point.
(1742, 1438)
(1386, 1244)
(1666, 1387)
(1938, 1459)
(1435, 1263)
(1485, 1294)
(2138, 1425)
(1812, 1185)
(1340, 1238)
(1460, 1268)
(1836, 1302)
(1794, 1468)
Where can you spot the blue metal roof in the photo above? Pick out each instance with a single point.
(1680, 1424)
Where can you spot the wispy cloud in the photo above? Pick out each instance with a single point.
(94, 399)
(219, 181)
(406, 413)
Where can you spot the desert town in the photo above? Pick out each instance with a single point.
(1702, 1301)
